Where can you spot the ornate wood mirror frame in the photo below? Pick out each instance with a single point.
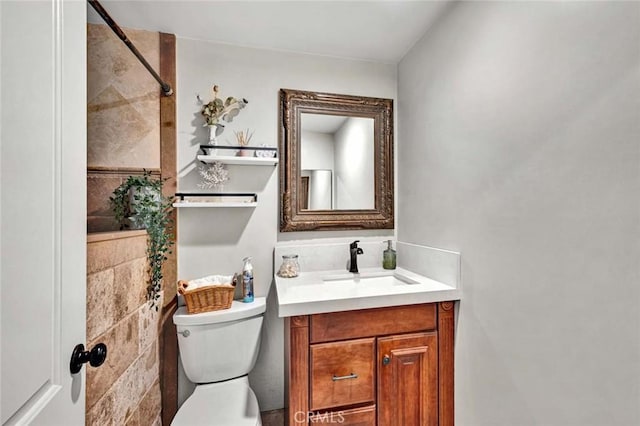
(293, 217)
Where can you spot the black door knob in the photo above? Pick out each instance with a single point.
(95, 357)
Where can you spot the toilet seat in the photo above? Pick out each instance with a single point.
(229, 403)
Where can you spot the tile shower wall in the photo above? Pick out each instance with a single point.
(123, 124)
(125, 390)
(123, 120)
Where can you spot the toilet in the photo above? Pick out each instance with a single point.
(218, 349)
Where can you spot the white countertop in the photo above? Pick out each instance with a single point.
(310, 293)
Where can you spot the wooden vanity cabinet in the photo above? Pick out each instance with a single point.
(385, 366)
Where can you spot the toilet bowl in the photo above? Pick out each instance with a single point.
(218, 349)
(230, 403)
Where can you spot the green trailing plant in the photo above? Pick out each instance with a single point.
(138, 204)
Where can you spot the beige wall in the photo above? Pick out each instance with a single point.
(519, 127)
(125, 390)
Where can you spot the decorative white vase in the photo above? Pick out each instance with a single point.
(214, 131)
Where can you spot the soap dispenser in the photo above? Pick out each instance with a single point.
(389, 257)
(247, 280)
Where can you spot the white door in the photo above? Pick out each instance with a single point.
(42, 209)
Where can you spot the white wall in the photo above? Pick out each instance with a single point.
(320, 189)
(316, 151)
(354, 155)
(216, 240)
(316, 160)
(519, 128)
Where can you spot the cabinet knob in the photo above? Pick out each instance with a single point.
(386, 360)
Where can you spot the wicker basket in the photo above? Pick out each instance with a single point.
(208, 298)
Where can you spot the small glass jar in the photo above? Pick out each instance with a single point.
(290, 267)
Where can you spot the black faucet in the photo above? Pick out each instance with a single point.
(354, 250)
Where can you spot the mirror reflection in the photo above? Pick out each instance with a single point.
(337, 162)
(316, 191)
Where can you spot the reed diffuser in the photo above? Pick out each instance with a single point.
(243, 137)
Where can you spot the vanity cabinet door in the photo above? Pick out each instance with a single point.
(408, 380)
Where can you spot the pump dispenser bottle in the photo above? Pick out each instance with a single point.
(389, 257)
(247, 280)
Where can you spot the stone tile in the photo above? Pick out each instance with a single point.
(148, 325)
(107, 254)
(101, 224)
(130, 286)
(120, 90)
(112, 294)
(116, 407)
(100, 307)
(272, 418)
(120, 403)
(115, 235)
(122, 347)
(148, 368)
(99, 189)
(137, 381)
(132, 143)
(134, 419)
(109, 62)
(101, 414)
(151, 405)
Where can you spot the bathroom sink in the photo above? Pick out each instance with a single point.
(333, 291)
(380, 279)
(324, 284)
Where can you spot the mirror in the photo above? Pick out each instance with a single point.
(342, 146)
(337, 161)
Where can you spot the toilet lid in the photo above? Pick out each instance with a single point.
(230, 403)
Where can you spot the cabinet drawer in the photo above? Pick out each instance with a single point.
(372, 322)
(363, 416)
(342, 373)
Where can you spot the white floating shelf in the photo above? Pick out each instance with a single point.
(216, 199)
(209, 204)
(243, 161)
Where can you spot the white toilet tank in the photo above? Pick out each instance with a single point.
(220, 345)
